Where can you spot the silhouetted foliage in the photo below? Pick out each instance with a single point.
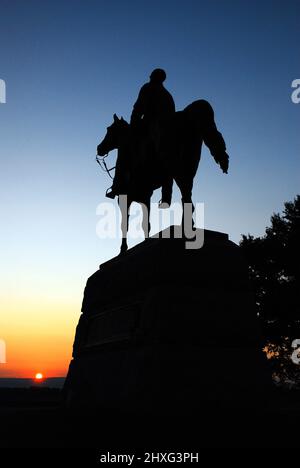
(274, 263)
(285, 372)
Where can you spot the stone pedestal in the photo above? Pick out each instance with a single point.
(167, 327)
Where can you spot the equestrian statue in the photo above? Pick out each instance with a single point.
(159, 146)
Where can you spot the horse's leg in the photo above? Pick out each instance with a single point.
(146, 217)
(186, 186)
(166, 192)
(124, 205)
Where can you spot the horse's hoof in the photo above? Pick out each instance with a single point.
(123, 249)
(163, 205)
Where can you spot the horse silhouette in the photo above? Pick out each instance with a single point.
(141, 169)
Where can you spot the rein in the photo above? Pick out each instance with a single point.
(101, 161)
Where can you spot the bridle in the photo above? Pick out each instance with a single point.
(101, 161)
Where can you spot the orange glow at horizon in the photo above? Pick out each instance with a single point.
(38, 334)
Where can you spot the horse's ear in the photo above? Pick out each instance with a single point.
(122, 119)
(116, 118)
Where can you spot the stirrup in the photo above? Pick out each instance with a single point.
(110, 194)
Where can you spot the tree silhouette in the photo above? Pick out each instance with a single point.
(274, 267)
(274, 264)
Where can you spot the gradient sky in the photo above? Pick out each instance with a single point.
(68, 66)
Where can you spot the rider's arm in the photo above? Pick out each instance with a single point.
(139, 106)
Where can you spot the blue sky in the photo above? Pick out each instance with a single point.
(69, 65)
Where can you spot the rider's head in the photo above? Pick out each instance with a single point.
(158, 76)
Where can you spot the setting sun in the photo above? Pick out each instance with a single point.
(39, 376)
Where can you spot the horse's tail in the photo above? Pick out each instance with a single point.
(201, 111)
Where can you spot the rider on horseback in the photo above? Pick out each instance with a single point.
(179, 141)
(154, 106)
(154, 101)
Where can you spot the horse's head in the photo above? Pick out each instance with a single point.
(114, 136)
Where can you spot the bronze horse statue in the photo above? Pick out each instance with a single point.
(176, 155)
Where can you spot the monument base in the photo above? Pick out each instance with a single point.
(166, 327)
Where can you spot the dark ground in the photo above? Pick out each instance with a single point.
(36, 418)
